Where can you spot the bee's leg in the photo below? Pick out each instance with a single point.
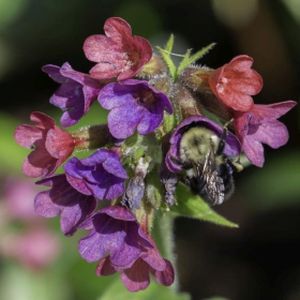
(223, 137)
(235, 165)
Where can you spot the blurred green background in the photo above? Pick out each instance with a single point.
(260, 260)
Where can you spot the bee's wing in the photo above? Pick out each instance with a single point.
(214, 185)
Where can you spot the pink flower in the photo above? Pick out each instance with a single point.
(235, 83)
(260, 126)
(18, 196)
(51, 145)
(117, 53)
(35, 248)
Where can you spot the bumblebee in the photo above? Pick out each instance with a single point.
(208, 171)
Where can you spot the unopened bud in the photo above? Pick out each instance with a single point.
(187, 102)
(93, 137)
(196, 78)
(153, 67)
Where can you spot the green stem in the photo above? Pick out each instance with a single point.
(163, 232)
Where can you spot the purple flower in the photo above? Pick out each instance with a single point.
(260, 126)
(76, 93)
(121, 245)
(134, 105)
(62, 199)
(136, 277)
(101, 175)
(114, 231)
(172, 160)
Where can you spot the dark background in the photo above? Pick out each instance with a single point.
(260, 260)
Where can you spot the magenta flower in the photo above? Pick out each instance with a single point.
(101, 175)
(63, 200)
(134, 106)
(172, 160)
(76, 93)
(118, 53)
(235, 83)
(51, 145)
(260, 126)
(121, 245)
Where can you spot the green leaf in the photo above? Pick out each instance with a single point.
(169, 122)
(185, 62)
(166, 55)
(188, 60)
(170, 43)
(117, 291)
(168, 60)
(202, 52)
(193, 206)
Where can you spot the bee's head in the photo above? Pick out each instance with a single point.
(196, 143)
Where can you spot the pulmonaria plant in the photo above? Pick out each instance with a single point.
(168, 127)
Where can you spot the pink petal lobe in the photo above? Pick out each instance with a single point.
(99, 48)
(104, 70)
(116, 28)
(273, 111)
(42, 120)
(274, 134)
(27, 135)
(241, 63)
(254, 151)
(165, 277)
(236, 100)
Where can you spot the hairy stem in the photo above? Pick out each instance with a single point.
(163, 232)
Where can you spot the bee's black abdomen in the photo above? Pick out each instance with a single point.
(225, 171)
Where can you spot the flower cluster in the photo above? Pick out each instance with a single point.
(156, 126)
